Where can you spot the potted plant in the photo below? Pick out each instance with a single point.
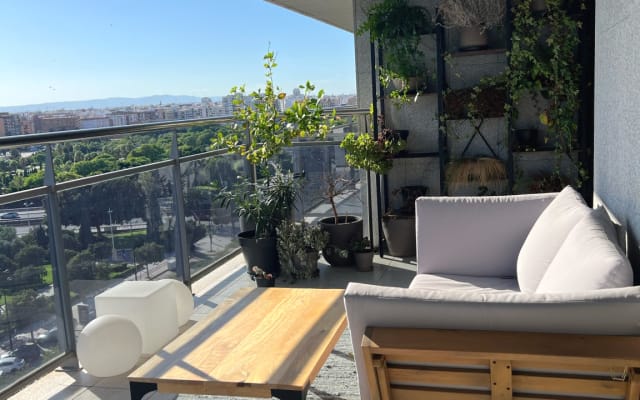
(265, 204)
(485, 100)
(342, 229)
(473, 18)
(261, 132)
(363, 254)
(299, 246)
(262, 278)
(397, 26)
(376, 155)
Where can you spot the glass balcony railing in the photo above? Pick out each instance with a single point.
(81, 211)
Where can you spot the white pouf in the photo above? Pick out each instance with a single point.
(109, 345)
(184, 300)
(151, 305)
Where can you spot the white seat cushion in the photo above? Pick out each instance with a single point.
(589, 259)
(547, 235)
(464, 283)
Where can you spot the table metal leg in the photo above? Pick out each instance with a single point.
(290, 394)
(139, 389)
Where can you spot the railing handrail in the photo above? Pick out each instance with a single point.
(151, 127)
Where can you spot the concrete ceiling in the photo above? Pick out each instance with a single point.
(338, 13)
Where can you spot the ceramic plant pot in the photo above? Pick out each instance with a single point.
(261, 252)
(400, 234)
(364, 261)
(348, 229)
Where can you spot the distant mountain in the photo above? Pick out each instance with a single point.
(111, 102)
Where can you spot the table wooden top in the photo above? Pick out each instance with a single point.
(258, 340)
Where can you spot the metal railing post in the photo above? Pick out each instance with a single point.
(182, 249)
(62, 300)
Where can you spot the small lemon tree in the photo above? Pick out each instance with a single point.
(261, 130)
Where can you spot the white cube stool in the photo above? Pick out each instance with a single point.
(150, 305)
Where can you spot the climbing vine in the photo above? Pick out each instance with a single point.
(543, 61)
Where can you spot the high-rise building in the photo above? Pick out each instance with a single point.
(227, 103)
(207, 107)
(11, 124)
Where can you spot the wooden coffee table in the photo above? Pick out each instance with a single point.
(261, 342)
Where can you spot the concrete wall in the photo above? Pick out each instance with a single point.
(617, 115)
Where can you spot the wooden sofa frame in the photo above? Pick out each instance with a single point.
(435, 364)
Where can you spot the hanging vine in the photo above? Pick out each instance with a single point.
(543, 61)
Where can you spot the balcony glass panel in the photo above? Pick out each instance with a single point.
(121, 229)
(213, 225)
(317, 167)
(28, 324)
(21, 168)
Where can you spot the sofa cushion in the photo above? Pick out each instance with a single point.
(547, 235)
(589, 259)
(479, 236)
(463, 283)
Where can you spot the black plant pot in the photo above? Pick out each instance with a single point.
(364, 260)
(348, 229)
(261, 252)
(525, 139)
(403, 134)
(262, 282)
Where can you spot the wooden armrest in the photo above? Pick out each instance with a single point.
(461, 364)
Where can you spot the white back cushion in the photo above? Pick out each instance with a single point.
(479, 236)
(589, 259)
(547, 235)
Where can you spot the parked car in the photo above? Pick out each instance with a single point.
(49, 338)
(11, 364)
(10, 215)
(29, 352)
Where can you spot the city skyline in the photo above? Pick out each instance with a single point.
(75, 51)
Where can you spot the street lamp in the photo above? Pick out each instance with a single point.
(113, 241)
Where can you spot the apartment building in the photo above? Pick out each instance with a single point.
(55, 122)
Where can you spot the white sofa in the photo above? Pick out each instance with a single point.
(527, 263)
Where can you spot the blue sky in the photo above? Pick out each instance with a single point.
(76, 50)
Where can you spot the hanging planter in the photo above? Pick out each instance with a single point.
(397, 27)
(473, 18)
(525, 140)
(476, 177)
(472, 38)
(477, 102)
